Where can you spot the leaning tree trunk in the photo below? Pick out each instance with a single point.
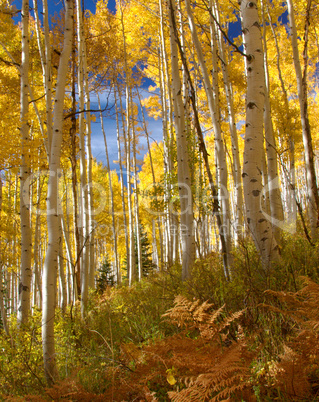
(49, 280)
(212, 95)
(259, 226)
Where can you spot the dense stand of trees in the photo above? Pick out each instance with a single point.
(238, 109)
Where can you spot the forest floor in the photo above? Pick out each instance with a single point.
(254, 338)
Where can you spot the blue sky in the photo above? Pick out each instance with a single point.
(98, 148)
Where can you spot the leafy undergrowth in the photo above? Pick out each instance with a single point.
(255, 338)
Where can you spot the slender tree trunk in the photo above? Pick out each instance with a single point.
(171, 233)
(116, 260)
(127, 248)
(313, 196)
(183, 170)
(36, 273)
(26, 243)
(276, 208)
(239, 215)
(136, 209)
(85, 255)
(3, 310)
(158, 220)
(49, 279)
(62, 283)
(212, 93)
(73, 159)
(259, 226)
(91, 227)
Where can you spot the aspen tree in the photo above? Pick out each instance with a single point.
(116, 260)
(136, 205)
(85, 255)
(276, 208)
(183, 171)
(73, 160)
(91, 268)
(239, 218)
(259, 226)
(49, 278)
(313, 196)
(170, 221)
(158, 221)
(212, 93)
(26, 243)
(121, 112)
(288, 124)
(3, 311)
(127, 145)
(45, 57)
(36, 273)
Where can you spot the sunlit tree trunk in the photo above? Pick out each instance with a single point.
(116, 260)
(45, 56)
(26, 243)
(169, 219)
(158, 220)
(3, 311)
(239, 216)
(127, 129)
(62, 283)
(290, 175)
(259, 226)
(85, 254)
(276, 208)
(313, 196)
(136, 206)
(73, 159)
(91, 227)
(121, 112)
(212, 93)
(36, 273)
(183, 171)
(49, 279)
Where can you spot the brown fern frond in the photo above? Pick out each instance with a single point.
(181, 314)
(298, 366)
(219, 370)
(233, 317)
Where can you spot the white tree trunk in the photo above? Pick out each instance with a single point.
(116, 260)
(26, 242)
(85, 256)
(3, 310)
(213, 104)
(312, 195)
(183, 170)
(49, 280)
(276, 208)
(259, 226)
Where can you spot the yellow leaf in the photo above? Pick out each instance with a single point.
(170, 378)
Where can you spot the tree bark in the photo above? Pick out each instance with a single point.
(26, 242)
(49, 280)
(313, 196)
(259, 226)
(183, 170)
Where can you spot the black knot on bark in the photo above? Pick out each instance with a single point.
(251, 105)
